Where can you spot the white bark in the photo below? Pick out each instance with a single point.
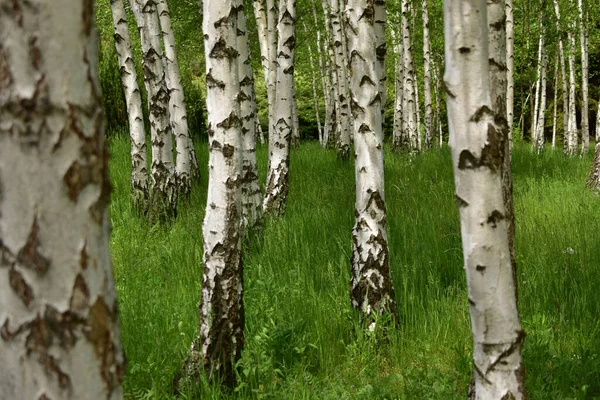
(585, 124)
(260, 16)
(163, 200)
(427, 125)
(572, 126)
(279, 144)
(371, 287)
(563, 71)
(133, 100)
(331, 111)
(59, 327)
(400, 138)
(325, 81)
(477, 148)
(272, 18)
(555, 113)
(409, 107)
(295, 118)
(186, 155)
(314, 87)
(438, 120)
(541, 119)
(251, 193)
(220, 338)
(538, 82)
(510, 70)
(379, 25)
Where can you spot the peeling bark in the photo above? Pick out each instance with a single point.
(133, 100)
(371, 290)
(59, 328)
(477, 144)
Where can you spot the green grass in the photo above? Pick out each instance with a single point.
(304, 341)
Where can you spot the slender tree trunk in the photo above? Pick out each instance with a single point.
(477, 155)
(371, 291)
(593, 181)
(379, 25)
(409, 106)
(538, 82)
(272, 16)
(314, 87)
(331, 111)
(541, 119)
(554, 115)
(573, 138)
(133, 99)
(295, 119)
(398, 141)
(59, 326)
(325, 81)
(163, 201)
(438, 120)
(585, 124)
(251, 193)
(563, 71)
(220, 339)
(186, 155)
(279, 144)
(260, 17)
(427, 79)
(510, 70)
(343, 118)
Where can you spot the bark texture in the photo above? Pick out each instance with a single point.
(279, 143)
(409, 107)
(133, 100)
(427, 80)
(477, 156)
(186, 165)
(573, 142)
(510, 70)
(563, 72)
(585, 108)
(59, 328)
(220, 339)
(163, 198)
(371, 290)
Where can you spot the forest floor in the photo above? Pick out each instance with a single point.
(303, 339)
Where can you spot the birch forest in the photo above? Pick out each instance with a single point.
(299, 199)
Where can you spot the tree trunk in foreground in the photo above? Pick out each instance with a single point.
(251, 194)
(163, 200)
(59, 328)
(133, 99)
(477, 157)
(186, 165)
(279, 144)
(220, 338)
(371, 290)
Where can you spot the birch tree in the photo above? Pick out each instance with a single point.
(186, 165)
(59, 335)
(220, 339)
(314, 88)
(409, 112)
(400, 136)
(555, 109)
(279, 143)
(380, 23)
(563, 72)
(477, 145)
(163, 202)
(510, 70)
(427, 79)
(272, 27)
(593, 181)
(371, 286)
(332, 112)
(133, 100)
(585, 124)
(573, 140)
(541, 119)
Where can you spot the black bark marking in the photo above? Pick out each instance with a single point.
(29, 256)
(366, 79)
(220, 50)
(481, 268)
(80, 295)
(495, 217)
(232, 121)
(83, 257)
(491, 154)
(464, 50)
(471, 302)
(228, 151)
(515, 345)
(211, 82)
(20, 287)
(460, 202)
(482, 112)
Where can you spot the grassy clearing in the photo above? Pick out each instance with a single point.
(303, 340)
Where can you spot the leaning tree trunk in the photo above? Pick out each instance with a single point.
(585, 109)
(409, 113)
(220, 339)
(133, 99)
(59, 335)
(277, 186)
(427, 79)
(371, 291)
(573, 139)
(477, 156)
(510, 70)
(163, 201)
(251, 193)
(186, 165)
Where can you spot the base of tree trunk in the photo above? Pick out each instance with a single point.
(162, 206)
(593, 181)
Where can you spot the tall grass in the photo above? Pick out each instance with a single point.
(304, 341)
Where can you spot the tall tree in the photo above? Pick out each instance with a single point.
(400, 136)
(220, 339)
(186, 164)
(59, 335)
(585, 109)
(477, 156)
(372, 291)
(279, 143)
(573, 139)
(409, 108)
(593, 181)
(563, 72)
(133, 100)
(163, 201)
(510, 70)
(427, 79)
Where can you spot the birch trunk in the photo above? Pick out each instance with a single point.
(272, 16)
(343, 120)
(371, 291)
(220, 337)
(477, 155)
(554, 115)
(186, 165)
(163, 202)
(541, 119)
(427, 79)
(279, 144)
(585, 124)
(399, 141)
(538, 82)
(379, 25)
(250, 188)
(409, 106)
(332, 111)
(260, 17)
(573, 139)
(510, 70)
(593, 181)
(563, 71)
(325, 82)
(59, 326)
(295, 119)
(314, 87)
(133, 100)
